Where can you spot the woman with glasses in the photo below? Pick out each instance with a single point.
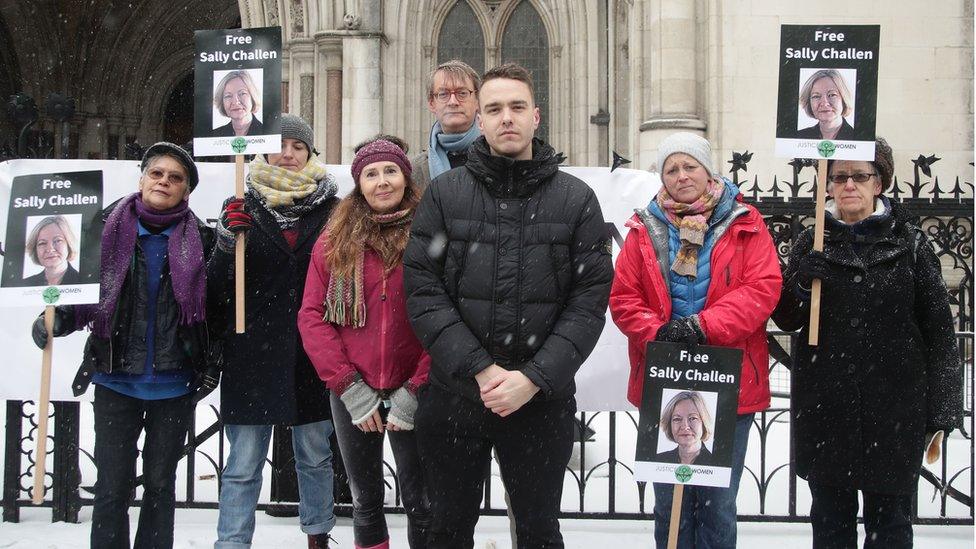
(237, 98)
(886, 372)
(698, 266)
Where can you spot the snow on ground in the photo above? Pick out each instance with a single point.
(197, 529)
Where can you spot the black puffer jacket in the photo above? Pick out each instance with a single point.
(508, 263)
(887, 368)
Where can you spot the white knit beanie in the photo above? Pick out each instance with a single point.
(693, 145)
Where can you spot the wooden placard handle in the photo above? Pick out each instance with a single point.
(239, 251)
(818, 243)
(679, 491)
(40, 452)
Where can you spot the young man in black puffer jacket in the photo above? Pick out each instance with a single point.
(508, 273)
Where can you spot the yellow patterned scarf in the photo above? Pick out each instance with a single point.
(691, 220)
(281, 188)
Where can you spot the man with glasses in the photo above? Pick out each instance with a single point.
(452, 96)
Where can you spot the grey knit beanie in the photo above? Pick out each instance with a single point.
(693, 145)
(295, 127)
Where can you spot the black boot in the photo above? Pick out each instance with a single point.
(319, 541)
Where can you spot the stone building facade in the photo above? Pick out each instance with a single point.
(611, 74)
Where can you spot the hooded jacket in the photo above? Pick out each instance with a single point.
(744, 287)
(508, 263)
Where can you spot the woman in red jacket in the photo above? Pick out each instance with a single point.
(355, 330)
(698, 266)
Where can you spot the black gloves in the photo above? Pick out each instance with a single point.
(812, 265)
(64, 324)
(207, 381)
(681, 330)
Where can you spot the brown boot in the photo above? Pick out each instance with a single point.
(319, 541)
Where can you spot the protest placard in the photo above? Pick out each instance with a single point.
(237, 92)
(52, 240)
(688, 414)
(687, 419)
(828, 91)
(237, 109)
(51, 257)
(827, 108)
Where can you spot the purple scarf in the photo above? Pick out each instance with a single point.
(187, 268)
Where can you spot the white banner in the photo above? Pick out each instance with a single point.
(601, 382)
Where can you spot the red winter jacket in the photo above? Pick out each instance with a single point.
(743, 291)
(385, 352)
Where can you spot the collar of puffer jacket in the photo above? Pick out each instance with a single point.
(507, 178)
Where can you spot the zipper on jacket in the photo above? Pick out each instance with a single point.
(384, 305)
(516, 347)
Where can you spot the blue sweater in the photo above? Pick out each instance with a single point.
(150, 385)
(688, 294)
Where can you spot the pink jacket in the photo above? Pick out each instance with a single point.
(385, 352)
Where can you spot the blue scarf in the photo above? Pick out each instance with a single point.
(441, 143)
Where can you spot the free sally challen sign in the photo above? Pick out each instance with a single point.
(237, 92)
(828, 91)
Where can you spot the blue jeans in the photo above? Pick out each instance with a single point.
(240, 482)
(707, 513)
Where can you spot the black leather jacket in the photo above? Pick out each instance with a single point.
(177, 346)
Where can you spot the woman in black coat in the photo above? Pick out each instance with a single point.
(886, 372)
(268, 378)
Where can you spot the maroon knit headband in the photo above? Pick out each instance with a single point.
(380, 151)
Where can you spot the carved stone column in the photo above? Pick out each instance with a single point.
(668, 87)
(330, 93)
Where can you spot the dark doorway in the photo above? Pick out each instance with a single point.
(9, 83)
(178, 118)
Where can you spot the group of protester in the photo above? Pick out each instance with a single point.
(448, 302)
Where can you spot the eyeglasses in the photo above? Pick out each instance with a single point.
(443, 96)
(843, 177)
(173, 178)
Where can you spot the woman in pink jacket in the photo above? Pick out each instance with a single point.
(355, 330)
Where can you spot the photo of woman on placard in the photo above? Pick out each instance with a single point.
(687, 422)
(237, 96)
(53, 246)
(826, 97)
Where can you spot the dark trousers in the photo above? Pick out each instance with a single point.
(833, 515)
(119, 420)
(363, 453)
(456, 438)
